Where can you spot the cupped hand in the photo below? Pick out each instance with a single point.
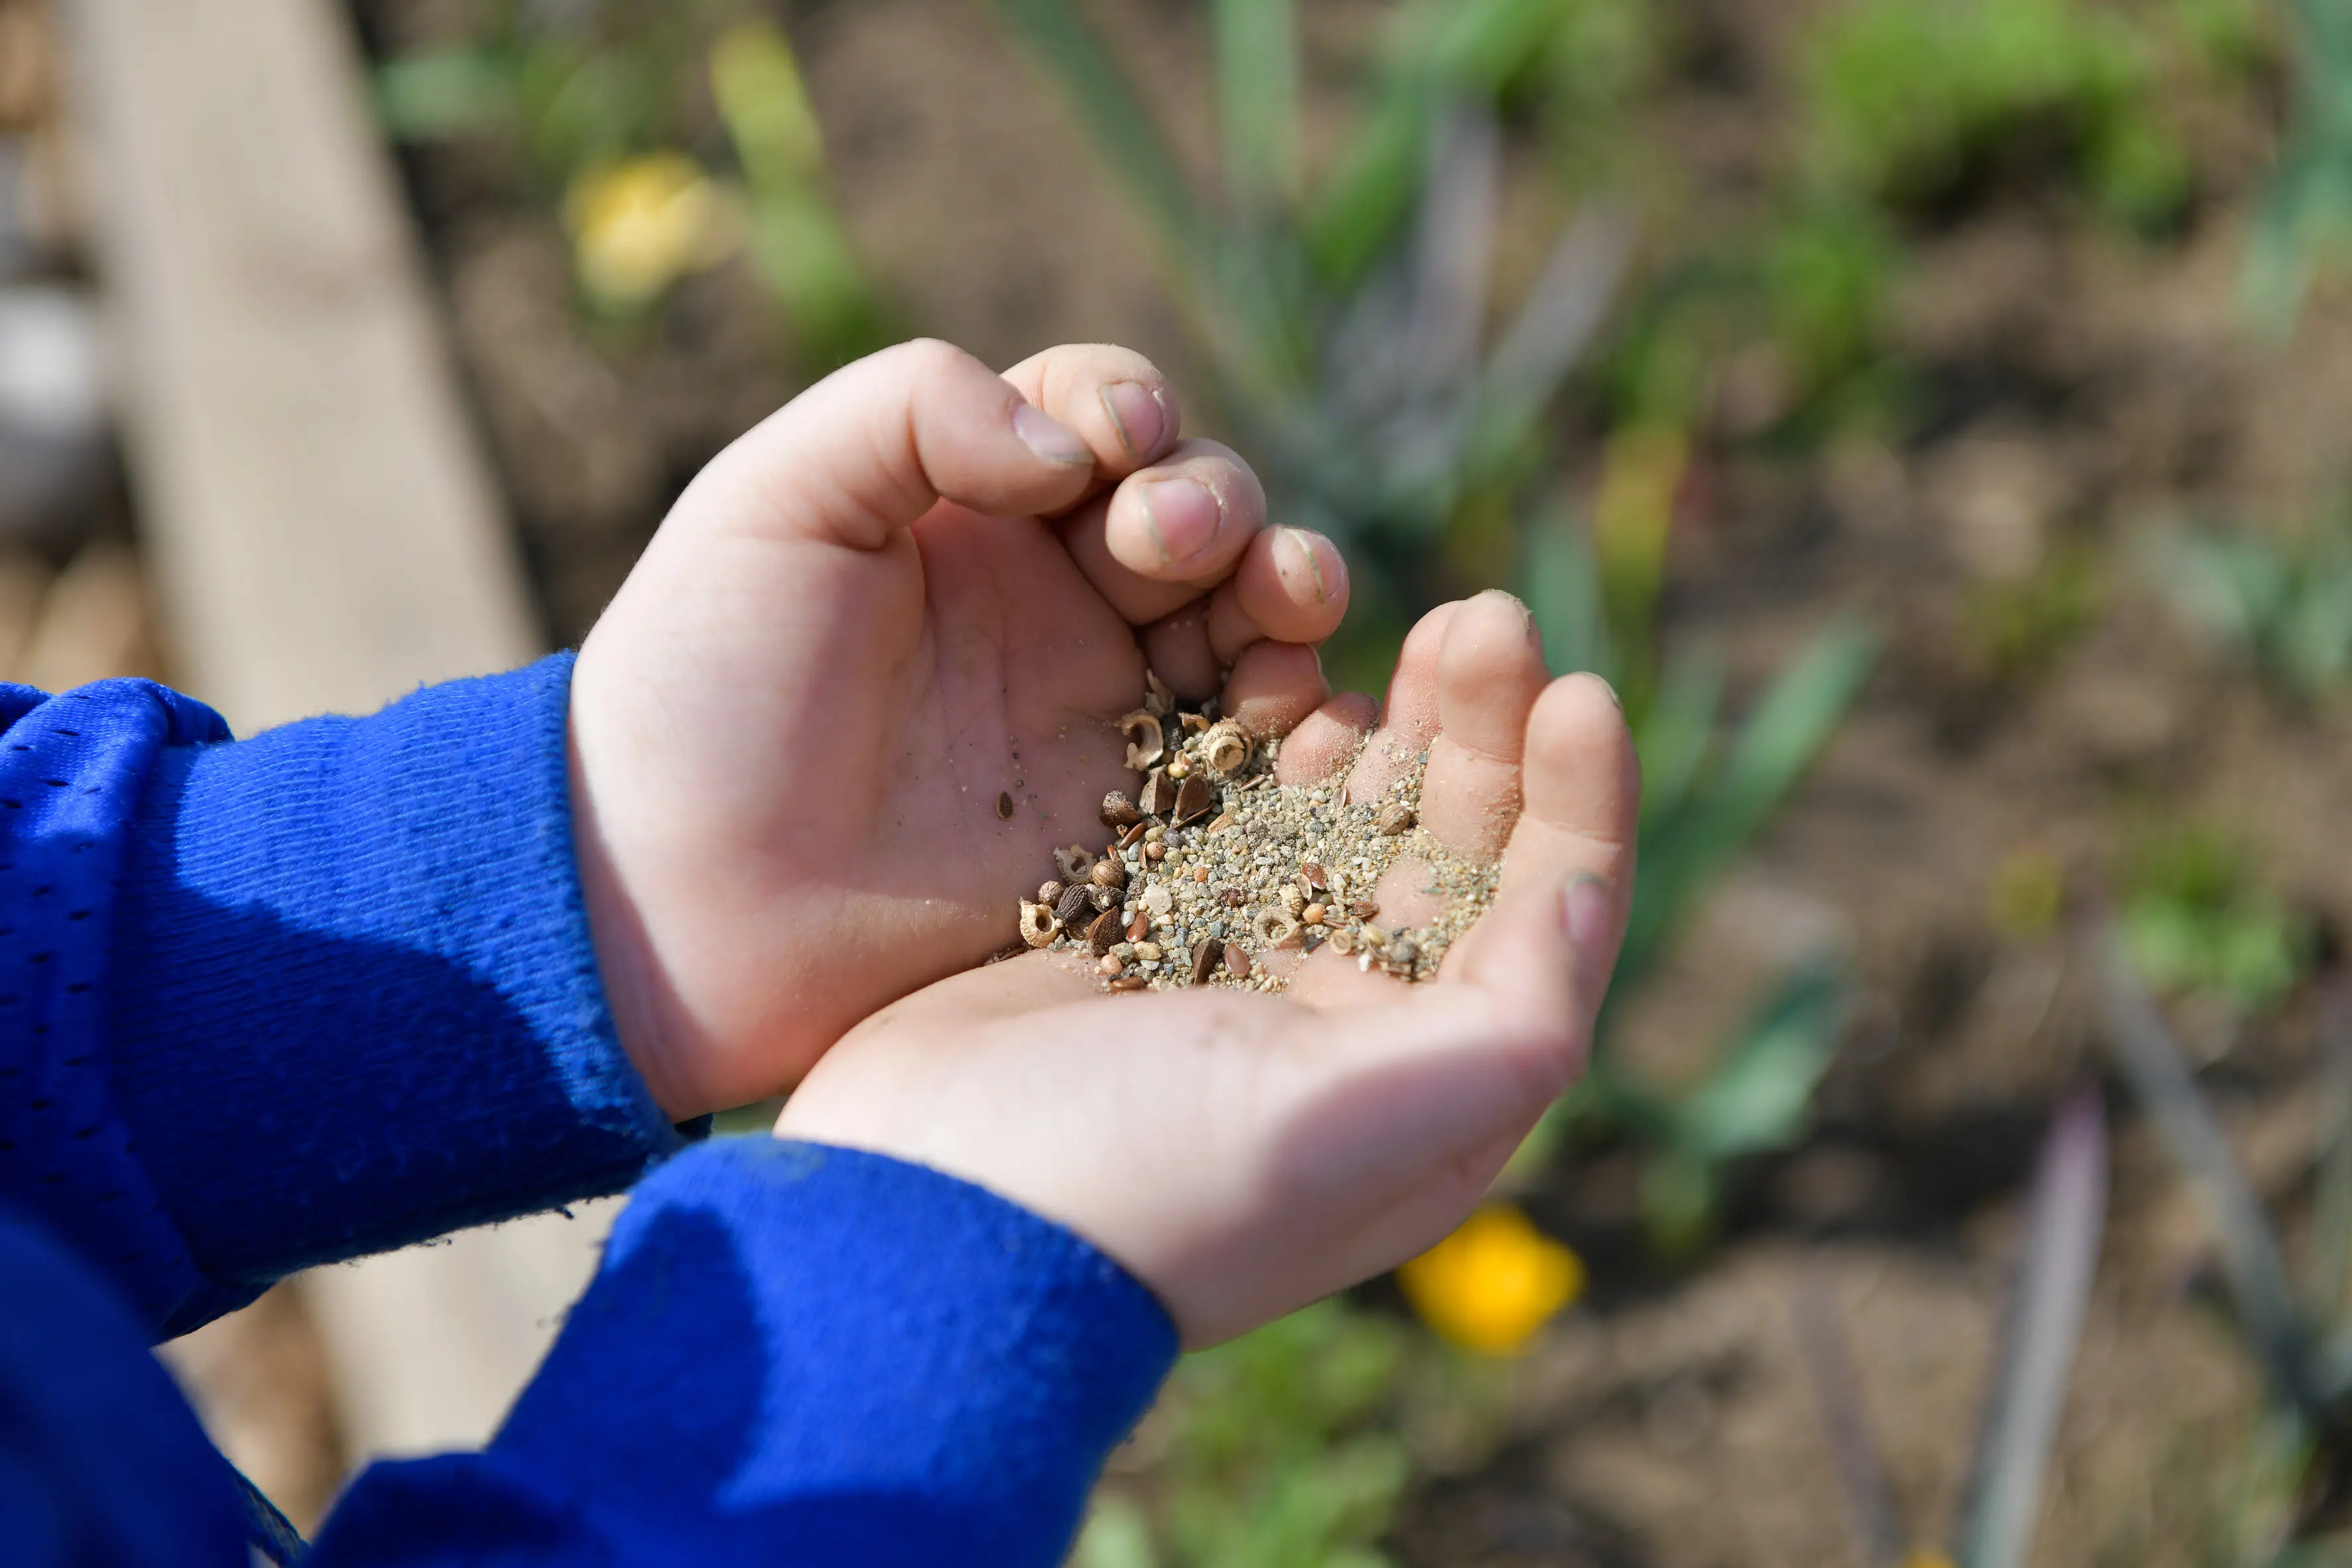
(1245, 1153)
(865, 677)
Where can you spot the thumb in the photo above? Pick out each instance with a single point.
(873, 446)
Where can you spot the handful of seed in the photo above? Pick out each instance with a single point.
(1213, 866)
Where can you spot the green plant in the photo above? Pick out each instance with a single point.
(1282, 1449)
(2283, 604)
(603, 106)
(2000, 1504)
(2306, 223)
(2194, 919)
(1913, 100)
(2296, 1472)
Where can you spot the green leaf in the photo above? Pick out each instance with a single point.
(1111, 116)
(2249, 1248)
(2065, 1215)
(1758, 1096)
(1257, 99)
(1561, 586)
(1782, 736)
(435, 94)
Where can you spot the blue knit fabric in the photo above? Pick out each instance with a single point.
(330, 991)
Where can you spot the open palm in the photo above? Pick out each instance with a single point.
(1243, 1155)
(867, 677)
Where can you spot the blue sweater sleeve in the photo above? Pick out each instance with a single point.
(793, 1355)
(325, 992)
(804, 1356)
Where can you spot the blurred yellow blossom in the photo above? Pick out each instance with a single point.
(1924, 1558)
(640, 225)
(1494, 1282)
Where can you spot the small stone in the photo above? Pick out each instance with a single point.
(1146, 953)
(1117, 811)
(1124, 951)
(1404, 952)
(1312, 914)
(1155, 853)
(1156, 833)
(1129, 983)
(1199, 873)
(1109, 968)
(1159, 901)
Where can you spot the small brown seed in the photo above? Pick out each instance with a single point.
(1139, 927)
(1312, 914)
(1004, 804)
(1313, 875)
(1133, 835)
(1393, 819)
(1103, 897)
(1109, 968)
(1129, 983)
(1363, 908)
(1037, 924)
(1146, 742)
(1206, 959)
(1193, 800)
(1049, 892)
(1073, 862)
(1076, 900)
(1108, 873)
(1159, 796)
(1223, 822)
(1179, 766)
(1237, 962)
(1117, 811)
(1104, 933)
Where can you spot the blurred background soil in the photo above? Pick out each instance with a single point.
(2069, 387)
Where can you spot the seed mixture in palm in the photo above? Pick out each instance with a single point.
(1213, 866)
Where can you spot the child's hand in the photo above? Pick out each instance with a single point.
(917, 590)
(1246, 1155)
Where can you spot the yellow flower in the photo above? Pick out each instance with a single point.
(640, 225)
(1494, 1282)
(1924, 1557)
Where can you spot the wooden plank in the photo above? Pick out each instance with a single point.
(325, 530)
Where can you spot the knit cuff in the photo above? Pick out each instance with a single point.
(876, 1362)
(353, 999)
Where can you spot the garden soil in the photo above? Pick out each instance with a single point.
(2082, 386)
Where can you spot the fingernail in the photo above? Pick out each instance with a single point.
(1586, 907)
(1183, 516)
(1138, 417)
(1047, 436)
(1295, 556)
